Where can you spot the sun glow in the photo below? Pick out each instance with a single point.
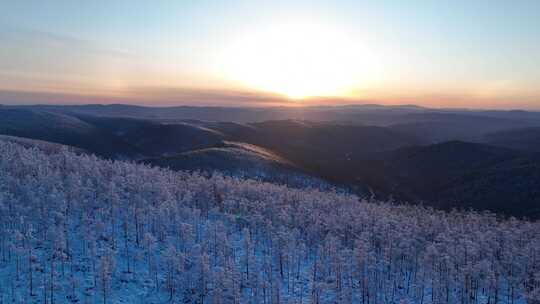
(298, 60)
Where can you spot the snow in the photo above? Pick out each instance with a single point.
(79, 229)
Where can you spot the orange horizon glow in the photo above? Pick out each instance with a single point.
(159, 96)
(269, 53)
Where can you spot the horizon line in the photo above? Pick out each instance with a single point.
(216, 98)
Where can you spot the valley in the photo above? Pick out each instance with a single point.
(442, 158)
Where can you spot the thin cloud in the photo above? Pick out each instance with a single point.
(173, 95)
(146, 96)
(26, 37)
(8, 97)
(151, 96)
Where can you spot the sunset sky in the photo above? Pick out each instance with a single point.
(474, 54)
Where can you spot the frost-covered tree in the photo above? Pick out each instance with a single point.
(66, 220)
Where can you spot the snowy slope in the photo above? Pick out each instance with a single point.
(75, 228)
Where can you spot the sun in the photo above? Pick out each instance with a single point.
(298, 60)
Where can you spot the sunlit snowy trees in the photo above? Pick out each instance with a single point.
(81, 229)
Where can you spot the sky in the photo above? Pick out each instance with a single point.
(472, 54)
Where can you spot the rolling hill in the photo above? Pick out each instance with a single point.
(526, 139)
(124, 138)
(242, 160)
(460, 175)
(64, 129)
(408, 161)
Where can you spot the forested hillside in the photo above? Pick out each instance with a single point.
(405, 154)
(74, 228)
(461, 175)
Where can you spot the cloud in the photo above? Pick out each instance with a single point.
(158, 96)
(34, 56)
(171, 95)
(9, 97)
(146, 96)
(25, 37)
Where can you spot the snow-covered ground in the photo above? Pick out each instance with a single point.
(75, 228)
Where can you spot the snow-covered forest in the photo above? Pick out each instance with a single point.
(75, 228)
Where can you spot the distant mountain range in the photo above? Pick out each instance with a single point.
(485, 160)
